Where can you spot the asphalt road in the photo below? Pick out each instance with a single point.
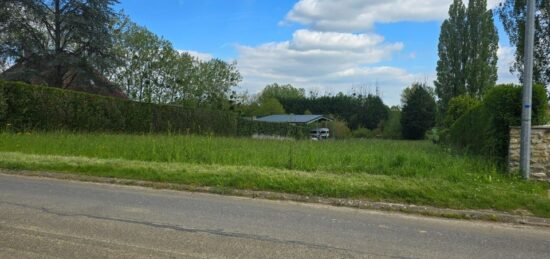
(42, 218)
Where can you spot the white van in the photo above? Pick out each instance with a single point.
(319, 133)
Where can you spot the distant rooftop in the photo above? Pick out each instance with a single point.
(285, 118)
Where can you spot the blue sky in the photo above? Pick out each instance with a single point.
(322, 45)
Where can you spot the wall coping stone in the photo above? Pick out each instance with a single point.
(533, 127)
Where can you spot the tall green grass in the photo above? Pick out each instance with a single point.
(383, 157)
(395, 171)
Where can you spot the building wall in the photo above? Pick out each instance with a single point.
(540, 151)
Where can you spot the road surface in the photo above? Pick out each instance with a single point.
(43, 218)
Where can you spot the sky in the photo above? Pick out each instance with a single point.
(325, 46)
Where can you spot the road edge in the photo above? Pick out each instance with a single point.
(481, 215)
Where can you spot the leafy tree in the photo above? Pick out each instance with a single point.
(468, 45)
(215, 78)
(512, 13)
(482, 47)
(151, 70)
(270, 106)
(373, 111)
(141, 54)
(452, 55)
(55, 39)
(281, 92)
(418, 113)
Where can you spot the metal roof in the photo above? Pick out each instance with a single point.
(285, 118)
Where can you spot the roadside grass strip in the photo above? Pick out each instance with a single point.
(472, 190)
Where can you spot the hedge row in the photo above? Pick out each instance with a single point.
(484, 129)
(25, 107)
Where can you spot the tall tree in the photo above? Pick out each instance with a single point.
(468, 46)
(482, 47)
(418, 114)
(452, 55)
(55, 39)
(513, 15)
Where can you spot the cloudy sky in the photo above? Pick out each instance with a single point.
(323, 45)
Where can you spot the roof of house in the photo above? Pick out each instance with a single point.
(285, 118)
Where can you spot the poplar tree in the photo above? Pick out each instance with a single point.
(452, 55)
(481, 49)
(468, 45)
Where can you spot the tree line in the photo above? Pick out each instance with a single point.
(75, 43)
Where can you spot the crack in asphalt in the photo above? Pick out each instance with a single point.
(217, 232)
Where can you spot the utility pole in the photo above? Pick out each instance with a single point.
(525, 153)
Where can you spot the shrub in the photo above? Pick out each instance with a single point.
(339, 129)
(484, 129)
(362, 133)
(457, 107)
(392, 127)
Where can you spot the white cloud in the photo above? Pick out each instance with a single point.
(361, 15)
(328, 61)
(199, 55)
(505, 60)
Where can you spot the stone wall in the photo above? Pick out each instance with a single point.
(540, 151)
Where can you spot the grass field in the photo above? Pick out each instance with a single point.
(378, 170)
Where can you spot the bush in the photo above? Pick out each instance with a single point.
(339, 129)
(392, 127)
(29, 108)
(457, 107)
(362, 133)
(484, 129)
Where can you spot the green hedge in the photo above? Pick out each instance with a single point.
(25, 107)
(484, 129)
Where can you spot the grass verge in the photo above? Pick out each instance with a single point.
(391, 171)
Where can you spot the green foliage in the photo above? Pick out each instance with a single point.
(357, 110)
(373, 112)
(392, 126)
(482, 39)
(484, 129)
(418, 113)
(458, 106)
(512, 13)
(66, 34)
(363, 133)
(269, 106)
(280, 92)
(339, 129)
(151, 70)
(378, 170)
(468, 45)
(452, 47)
(32, 108)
